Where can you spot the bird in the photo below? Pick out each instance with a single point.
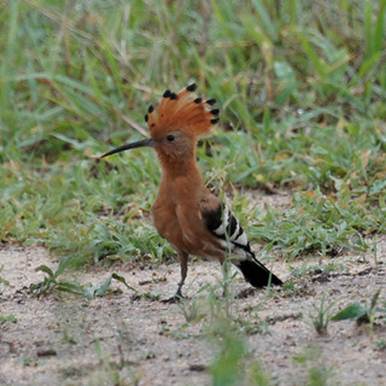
(186, 212)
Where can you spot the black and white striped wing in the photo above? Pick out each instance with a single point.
(231, 236)
(225, 226)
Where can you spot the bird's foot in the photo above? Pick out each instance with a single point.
(176, 298)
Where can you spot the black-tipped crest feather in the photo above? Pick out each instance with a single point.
(192, 87)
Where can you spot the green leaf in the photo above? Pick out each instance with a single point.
(369, 64)
(378, 187)
(103, 287)
(121, 279)
(352, 311)
(266, 21)
(320, 66)
(92, 292)
(379, 27)
(69, 287)
(7, 318)
(47, 270)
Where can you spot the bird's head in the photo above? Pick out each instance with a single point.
(175, 124)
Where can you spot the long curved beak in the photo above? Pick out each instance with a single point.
(128, 146)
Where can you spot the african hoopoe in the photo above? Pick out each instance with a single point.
(185, 212)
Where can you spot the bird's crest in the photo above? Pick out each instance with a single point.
(184, 111)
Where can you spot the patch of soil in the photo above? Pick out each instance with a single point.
(64, 340)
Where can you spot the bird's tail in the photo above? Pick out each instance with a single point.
(257, 274)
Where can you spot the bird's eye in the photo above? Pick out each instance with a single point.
(170, 137)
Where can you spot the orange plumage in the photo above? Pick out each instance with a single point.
(183, 111)
(185, 212)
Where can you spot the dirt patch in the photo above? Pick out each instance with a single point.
(63, 340)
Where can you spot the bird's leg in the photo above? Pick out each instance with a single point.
(183, 258)
(184, 270)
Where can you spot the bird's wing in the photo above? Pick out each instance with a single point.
(222, 224)
(230, 235)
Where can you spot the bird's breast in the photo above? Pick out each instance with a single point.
(166, 222)
(185, 233)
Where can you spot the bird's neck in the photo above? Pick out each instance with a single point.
(175, 169)
(180, 179)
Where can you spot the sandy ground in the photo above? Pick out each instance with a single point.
(63, 340)
(120, 339)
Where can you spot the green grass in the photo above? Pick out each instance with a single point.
(321, 315)
(233, 364)
(302, 91)
(317, 373)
